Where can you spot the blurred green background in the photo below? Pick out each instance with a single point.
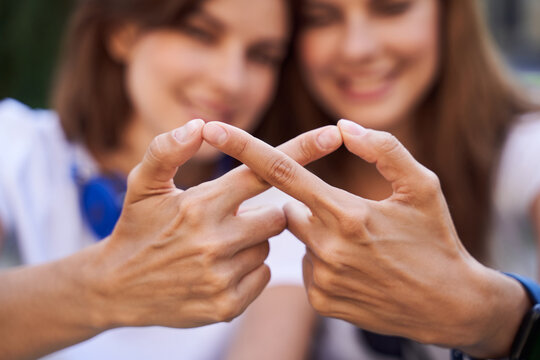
(31, 32)
(30, 36)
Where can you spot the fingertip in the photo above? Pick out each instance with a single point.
(296, 206)
(329, 138)
(214, 133)
(186, 132)
(351, 128)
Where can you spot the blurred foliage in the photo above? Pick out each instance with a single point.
(30, 36)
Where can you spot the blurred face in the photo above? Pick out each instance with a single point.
(220, 64)
(370, 61)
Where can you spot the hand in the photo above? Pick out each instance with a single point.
(395, 266)
(189, 258)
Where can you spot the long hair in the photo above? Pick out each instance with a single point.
(89, 92)
(461, 123)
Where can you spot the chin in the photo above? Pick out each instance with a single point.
(385, 117)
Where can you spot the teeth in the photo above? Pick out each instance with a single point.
(363, 85)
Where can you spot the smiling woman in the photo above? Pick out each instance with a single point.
(132, 70)
(211, 61)
(425, 71)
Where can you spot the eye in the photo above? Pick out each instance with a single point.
(318, 15)
(199, 33)
(265, 58)
(391, 8)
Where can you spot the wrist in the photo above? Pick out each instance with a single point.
(89, 281)
(505, 302)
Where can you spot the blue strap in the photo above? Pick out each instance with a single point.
(532, 288)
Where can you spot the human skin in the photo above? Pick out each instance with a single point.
(394, 266)
(164, 264)
(390, 52)
(219, 64)
(370, 61)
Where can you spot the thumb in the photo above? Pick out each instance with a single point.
(392, 159)
(155, 173)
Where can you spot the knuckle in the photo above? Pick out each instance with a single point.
(431, 184)
(323, 278)
(432, 180)
(264, 250)
(240, 146)
(353, 223)
(282, 171)
(220, 281)
(214, 283)
(155, 152)
(306, 149)
(228, 307)
(428, 337)
(318, 300)
(326, 252)
(386, 142)
(191, 208)
(208, 254)
(276, 220)
(132, 176)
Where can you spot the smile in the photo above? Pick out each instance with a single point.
(365, 88)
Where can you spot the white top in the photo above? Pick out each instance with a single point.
(513, 239)
(39, 206)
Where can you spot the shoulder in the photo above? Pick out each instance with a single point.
(15, 116)
(525, 129)
(518, 178)
(24, 130)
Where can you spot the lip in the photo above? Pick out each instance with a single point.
(365, 87)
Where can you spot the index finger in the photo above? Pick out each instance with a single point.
(242, 183)
(272, 165)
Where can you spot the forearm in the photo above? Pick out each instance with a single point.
(278, 325)
(47, 307)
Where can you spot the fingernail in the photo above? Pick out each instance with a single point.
(184, 133)
(351, 127)
(214, 133)
(328, 138)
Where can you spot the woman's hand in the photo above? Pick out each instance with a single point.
(188, 258)
(395, 266)
(176, 258)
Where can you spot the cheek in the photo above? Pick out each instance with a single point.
(146, 79)
(155, 74)
(259, 92)
(420, 52)
(316, 50)
(153, 71)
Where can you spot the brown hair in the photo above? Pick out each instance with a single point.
(461, 123)
(89, 94)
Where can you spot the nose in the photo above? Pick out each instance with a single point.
(229, 70)
(360, 40)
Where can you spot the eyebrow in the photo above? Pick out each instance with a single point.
(275, 42)
(210, 20)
